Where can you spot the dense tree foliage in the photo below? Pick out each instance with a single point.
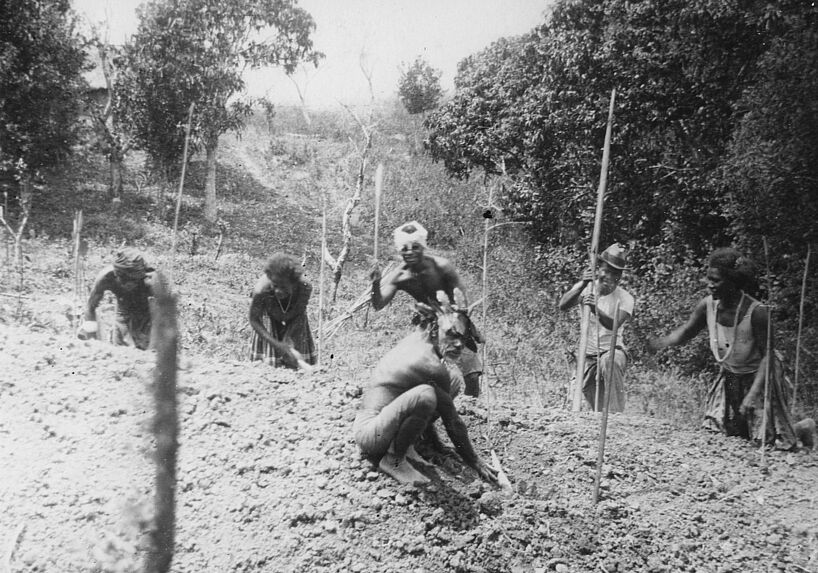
(419, 87)
(194, 51)
(715, 141)
(770, 174)
(715, 127)
(41, 61)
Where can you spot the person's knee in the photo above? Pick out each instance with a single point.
(472, 384)
(425, 402)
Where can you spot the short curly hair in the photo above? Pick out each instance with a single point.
(734, 266)
(283, 266)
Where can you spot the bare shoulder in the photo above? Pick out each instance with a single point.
(412, 361)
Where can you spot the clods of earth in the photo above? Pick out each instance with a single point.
(270, 480)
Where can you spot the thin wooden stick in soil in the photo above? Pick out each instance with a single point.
(603, 182)
(321, 271)
(769, 368)
(603, 432)
(179, 194)
(800, 327)
(378, 190)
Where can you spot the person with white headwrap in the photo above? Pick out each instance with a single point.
(131, 281)
(421, 276)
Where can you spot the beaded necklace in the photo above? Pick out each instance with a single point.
(732, 345)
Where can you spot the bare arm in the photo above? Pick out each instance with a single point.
(683, 334)
(459, 435)
(384, 288)
(571, 298)
(97, 291)
(452, 281)
(759, 322)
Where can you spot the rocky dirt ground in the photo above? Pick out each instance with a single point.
(271, 481)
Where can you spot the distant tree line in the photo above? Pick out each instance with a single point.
(184, 52)
(715, 138)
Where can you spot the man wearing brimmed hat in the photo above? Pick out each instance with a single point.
(131, 281)
(422, 276)
(601, 293)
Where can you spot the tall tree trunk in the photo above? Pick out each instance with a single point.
(210, 182)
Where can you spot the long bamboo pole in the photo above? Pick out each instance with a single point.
(378, 190)
(800, 326)
(321, 271)
(586, 313)
(603, 431)
(179, 194)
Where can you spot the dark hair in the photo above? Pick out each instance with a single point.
(284, 266)
(734, 266)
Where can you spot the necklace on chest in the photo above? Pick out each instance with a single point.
(732, 344)
(284, 309)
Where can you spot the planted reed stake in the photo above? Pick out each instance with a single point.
(378, 189)
(179, 194)
(484, 278)
(78, 253)
(800, 326)
(585, 311)
(603, 431)
(769, 353)
(321, 271)
(165, 335)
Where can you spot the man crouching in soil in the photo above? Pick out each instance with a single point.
(409, 386)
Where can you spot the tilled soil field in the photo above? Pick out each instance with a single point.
(269, 480)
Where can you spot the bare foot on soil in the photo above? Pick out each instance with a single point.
(413, 455)
(401, 470)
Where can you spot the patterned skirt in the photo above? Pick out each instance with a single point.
(296, 334)
(729, 391)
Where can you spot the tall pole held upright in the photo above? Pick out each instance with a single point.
(586, 313)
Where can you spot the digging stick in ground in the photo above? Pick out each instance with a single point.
(603, 182)
(800, 326)
(179, 194)
(603, 432)
(502, 478)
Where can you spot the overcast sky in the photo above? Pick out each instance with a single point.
(388, 33)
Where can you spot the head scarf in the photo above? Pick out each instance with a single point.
(409, 233)
(130, 263)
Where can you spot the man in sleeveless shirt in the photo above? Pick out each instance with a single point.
(737, 328)
(601, 293)
(421, 276)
